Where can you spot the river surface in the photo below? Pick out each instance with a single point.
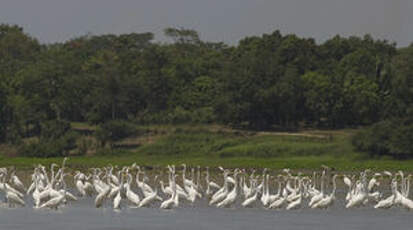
(82, 215)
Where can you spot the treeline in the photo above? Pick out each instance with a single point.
(273, 81)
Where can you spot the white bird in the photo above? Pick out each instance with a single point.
(150, 198)
(80, 187)
(100, 198)
(316, 198)
(361, 195)
(174, 200)
(118, 198)
(145, 188)
(210, 184)
(130, 195)
(13, 198)
(280, 202)
(328, 200)
(389, 201)
(247, 191)
(17, 182)
(58, 200)
(221, 193)
(251, 200)
(401, 197)
(297, 203)
(373, 182)
(265, 191)
(231, 197)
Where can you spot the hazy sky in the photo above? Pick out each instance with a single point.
(215, 20)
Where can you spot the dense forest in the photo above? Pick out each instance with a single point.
(268, 82)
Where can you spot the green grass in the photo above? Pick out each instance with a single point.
(214, 146)
(82, 125)
(242, 162)
(205, 143)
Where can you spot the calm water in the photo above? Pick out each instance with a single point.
(82, 215)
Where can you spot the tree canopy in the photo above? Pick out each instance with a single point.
(273, 81)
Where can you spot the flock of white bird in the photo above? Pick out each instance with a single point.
(115, 187)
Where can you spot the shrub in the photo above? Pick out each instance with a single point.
(389, 137)
(401, 142)
(50, 147)
(54, 129)
(203, 115)
(55, 140)
(179, 116)
(114, 131)
(84, 144)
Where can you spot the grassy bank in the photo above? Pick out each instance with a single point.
(215, 145)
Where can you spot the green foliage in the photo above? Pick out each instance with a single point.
(338, 153)
(362, 96)
(204, 143)
(401, 141)
(273, 81)
(389, 137)
(400, 100)
(324, 98)
(84, 144)
(56, 139)
(375, 139)
(54, 129)
(50, 147)
(114, 130)
(203, 115)
(182, 35)
(179, 115)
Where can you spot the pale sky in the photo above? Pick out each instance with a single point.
(215, 20)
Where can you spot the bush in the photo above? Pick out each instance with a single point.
(84, 144)
(50, 147)
(390, 137)
(147, 117)
(54, 129)
(203, 115)
(55, 140)
(401, 142)
(114, 131)
(178, 115)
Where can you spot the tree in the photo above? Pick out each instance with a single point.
(17, 50)
(323, 99)
(401, 100)
(362, 94)
(106, 85)
(182, 35)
